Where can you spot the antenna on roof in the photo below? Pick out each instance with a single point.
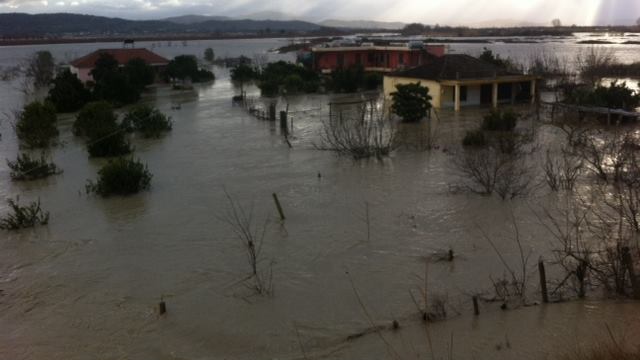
(128, 42)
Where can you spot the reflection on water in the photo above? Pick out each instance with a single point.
(87, 284)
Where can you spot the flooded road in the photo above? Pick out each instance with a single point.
(87, 284)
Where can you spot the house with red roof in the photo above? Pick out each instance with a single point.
(82, 67)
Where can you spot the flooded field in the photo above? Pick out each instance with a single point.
(86, 285)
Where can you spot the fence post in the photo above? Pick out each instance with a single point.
(278, 206)
(283, 123)
(476, 308)
(543, 281)
(628, 262)
(272, 112)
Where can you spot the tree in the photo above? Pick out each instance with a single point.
(121, 177)
(68, 94)
(411, 102)
(140, 74)
(149, 121)
(556, 22)
(243, 73)
(414, 29)
(185, 67)
(488, 56)
(41, 68)
(36, 125)
(117, 88)
(98, 124)
(209, 55)
(105, 65)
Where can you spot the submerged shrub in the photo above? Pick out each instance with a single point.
(474, 138)
(27, 168)
(123, 176)
(23, 217)
(36, 125)
(498, 120)
(149, 121)
(99, 124)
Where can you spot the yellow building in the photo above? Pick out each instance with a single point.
(457, 80)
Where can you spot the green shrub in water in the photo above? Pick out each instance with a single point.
(123, 176)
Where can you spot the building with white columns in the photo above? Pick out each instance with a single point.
(457, 80)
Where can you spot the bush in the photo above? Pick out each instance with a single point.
(150, 122)
(185, 67)
(105, 137)
(242, 73)
(36, 125)
(286, 76)
(41, 67)
(140, 74)
(24, 216)
(500, 121)
(411, 102)
(27, 168)
(121, 177)
(347, 80)
(209, 55)
(615, 96)
(68, 94)
(372, 81)
(474, 138)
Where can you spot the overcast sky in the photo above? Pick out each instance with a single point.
(581, 12)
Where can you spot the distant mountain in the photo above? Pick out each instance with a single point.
(506, 23)
(62, 24)
(194, 19)
(362, 24)
(269, 15)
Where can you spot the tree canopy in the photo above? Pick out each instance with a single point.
(411, 102)
(105, 137)
(36, 125)
(185, 67)
(68, 94)
(209, 55)
(41, 68)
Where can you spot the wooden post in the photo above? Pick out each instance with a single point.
(476, 308)
(628, 262)
(543, 281)
(278, 206)
(283, 123)
(494, 95)
(272, 112)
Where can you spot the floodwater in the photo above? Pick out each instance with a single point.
(86, 285)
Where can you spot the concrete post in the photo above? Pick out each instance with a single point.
(533, 91)
(456, 99)
(494, 95)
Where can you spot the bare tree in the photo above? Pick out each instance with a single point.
(556, 22)
(563, 172)
(365, 133)
(593, 63)
(251, 236)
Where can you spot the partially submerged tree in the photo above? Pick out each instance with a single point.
(209, 55)
(36, 125)
(26, 167)
(411, 102)
(185, 67)
(362, 134)
(41, 68)
(149, 121)
(556, 22)
(140, 74)
(122, 176)
(99, 125)
(68, 94)
(23, 217)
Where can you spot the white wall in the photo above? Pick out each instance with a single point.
(473, 96)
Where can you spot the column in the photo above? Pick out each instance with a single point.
(533, 91)
(494, 95)
(456, 98)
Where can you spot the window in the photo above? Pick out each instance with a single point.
(371, 58)
(340, 60)
(463, 93)
(401, 59)
(358, 59)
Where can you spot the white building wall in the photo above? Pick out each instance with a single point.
(473, 96)
(82, 74)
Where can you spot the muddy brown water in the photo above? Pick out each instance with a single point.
(86, 285)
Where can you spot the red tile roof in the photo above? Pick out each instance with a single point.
(121, 55)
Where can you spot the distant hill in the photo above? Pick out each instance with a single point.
(268, 15)
(194, 19)
(363, 24)
(62, 24)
